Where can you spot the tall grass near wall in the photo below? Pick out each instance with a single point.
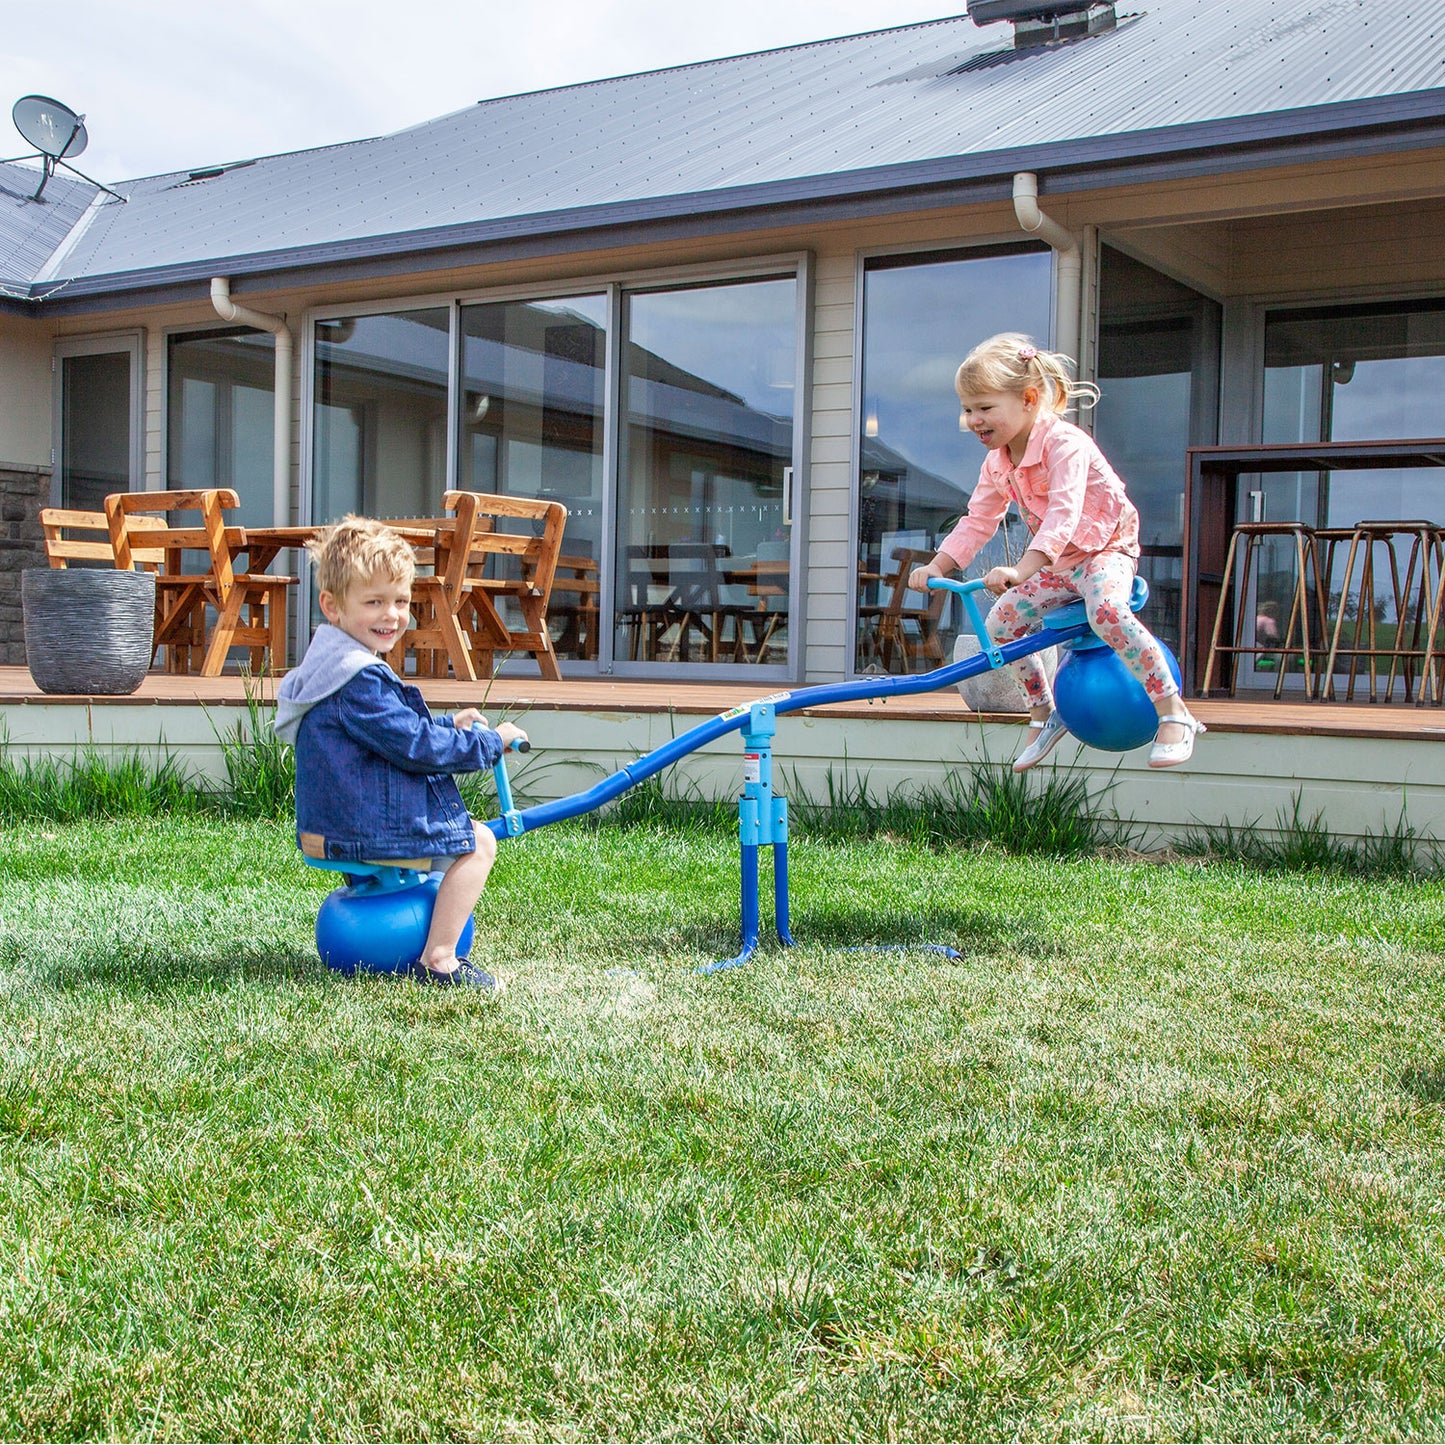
(1053, 810)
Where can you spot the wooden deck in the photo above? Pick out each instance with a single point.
(1399, 721)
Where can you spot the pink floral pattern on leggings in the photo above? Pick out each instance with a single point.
(1103, 581)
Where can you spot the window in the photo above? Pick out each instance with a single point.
(531, 425)
(678, 545)
(1158, 376)
(221, 417)
(380, 443)
(705, 477)
(921, 316)
(98, 401)
(1354, 373)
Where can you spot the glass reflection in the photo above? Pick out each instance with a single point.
(221, 417)
(703, 515)
(916, 472)
(1158, 378)
(531, 425)
(380, 415)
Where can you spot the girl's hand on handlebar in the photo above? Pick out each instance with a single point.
(918, 578)
(1000, 579)
(468, 717)
(510, 733)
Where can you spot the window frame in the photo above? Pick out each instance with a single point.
(615, 286)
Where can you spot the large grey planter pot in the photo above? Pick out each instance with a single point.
(88, 630)
(998, 689)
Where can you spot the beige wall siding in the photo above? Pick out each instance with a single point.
(25, 394)
(1358, 786)
(830, 464)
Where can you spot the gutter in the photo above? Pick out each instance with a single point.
(228, 310)
(1070, 261)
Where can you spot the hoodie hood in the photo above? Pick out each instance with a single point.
(332, 660)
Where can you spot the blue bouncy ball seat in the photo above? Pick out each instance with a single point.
(1102, 703)
(379, 923)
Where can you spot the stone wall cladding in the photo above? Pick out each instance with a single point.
(23, 491)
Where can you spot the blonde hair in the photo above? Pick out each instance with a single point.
(1010, 363)
(357, 549)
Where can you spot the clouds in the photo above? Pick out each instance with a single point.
(169, 84)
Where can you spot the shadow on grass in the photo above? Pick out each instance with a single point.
(968, 930)
(152, 969)
(1427, 1085)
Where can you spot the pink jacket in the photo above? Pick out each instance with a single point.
(1068, 495)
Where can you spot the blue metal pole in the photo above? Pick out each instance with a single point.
(781, 920)
(541, 814)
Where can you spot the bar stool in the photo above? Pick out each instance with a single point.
(1412, 592)
(1306, 613)
(1432, 679)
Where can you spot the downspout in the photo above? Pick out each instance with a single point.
(1071, 261)
(228, 310)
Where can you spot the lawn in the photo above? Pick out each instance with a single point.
(1160, 1157)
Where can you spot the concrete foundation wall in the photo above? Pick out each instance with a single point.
(1360, 786)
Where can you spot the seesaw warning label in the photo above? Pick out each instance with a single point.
(752, 767)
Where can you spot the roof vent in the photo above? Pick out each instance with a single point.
(1043, 22)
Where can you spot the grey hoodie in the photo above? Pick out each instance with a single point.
(332, 660)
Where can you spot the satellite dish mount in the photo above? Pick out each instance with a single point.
(57, 133)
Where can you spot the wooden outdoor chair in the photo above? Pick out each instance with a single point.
(576, 583)
(491, 588)
(892, 625)
(72, 536)
(250, 608)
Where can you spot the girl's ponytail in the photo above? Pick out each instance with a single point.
(1011, 363)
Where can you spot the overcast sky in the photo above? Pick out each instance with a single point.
(176, 84)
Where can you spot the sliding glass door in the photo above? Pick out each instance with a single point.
(663, 417)
(98, 410)
(703, 574)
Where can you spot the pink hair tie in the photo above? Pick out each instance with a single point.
(1027, 353)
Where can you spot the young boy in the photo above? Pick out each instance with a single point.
(373, 767)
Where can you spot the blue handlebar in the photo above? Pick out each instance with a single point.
(965, 591)
(511, 818)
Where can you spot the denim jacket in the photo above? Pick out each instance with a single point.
(373, 771)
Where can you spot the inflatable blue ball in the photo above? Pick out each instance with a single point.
(374, 928)
(1101, 701)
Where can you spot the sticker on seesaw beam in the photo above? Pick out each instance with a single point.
(746, 707)
(752, 767)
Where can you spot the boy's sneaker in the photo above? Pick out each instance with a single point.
(465, 975)
(1046, 736)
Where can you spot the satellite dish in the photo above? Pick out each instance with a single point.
(57, 133)
(52, 128)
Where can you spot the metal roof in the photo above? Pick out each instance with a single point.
(935, 103)
(31, 231)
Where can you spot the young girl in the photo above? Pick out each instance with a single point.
(1084, 530)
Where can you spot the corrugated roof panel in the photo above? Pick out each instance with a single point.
(925, 92)
(31, 231)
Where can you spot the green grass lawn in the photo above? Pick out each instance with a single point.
(1160, 1157)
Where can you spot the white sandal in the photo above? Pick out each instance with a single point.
(1170, 755)
(1050, 731)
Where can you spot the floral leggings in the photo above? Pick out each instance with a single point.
(1103, 581)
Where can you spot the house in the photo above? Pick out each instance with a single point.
(721, 305)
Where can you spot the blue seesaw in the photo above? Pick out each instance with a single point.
(378, 920)
(1102, 703)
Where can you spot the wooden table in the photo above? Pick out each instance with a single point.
(766, 578)
(456, 599)
(263, 545)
